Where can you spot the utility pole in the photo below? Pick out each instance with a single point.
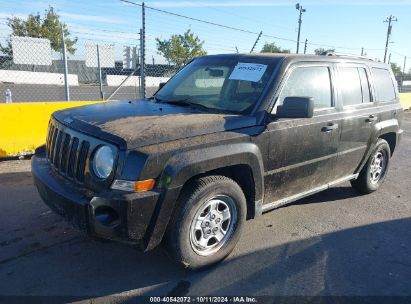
(305, 46)
(362, 51)
(236, 49)
(301, 10)
(255, 43)
(390, 20)
(403, 72)
(389, 58)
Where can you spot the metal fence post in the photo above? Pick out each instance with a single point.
(99, 73)
(66, 84)
(143, 50)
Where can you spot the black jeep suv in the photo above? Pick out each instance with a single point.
(227, 138)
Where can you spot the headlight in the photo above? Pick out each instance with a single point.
(103, 162)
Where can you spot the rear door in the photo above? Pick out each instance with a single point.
(302, 152)
(360, 115)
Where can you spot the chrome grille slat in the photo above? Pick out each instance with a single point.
(50, 143)
(57, 155)
(64, 153)
(72, 157)
(53, 145)
(67, 152)
(82, 158)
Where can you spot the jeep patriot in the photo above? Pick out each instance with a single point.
(226, 139)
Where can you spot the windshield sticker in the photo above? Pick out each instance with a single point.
(248, 71)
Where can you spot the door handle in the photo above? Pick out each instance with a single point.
(371, 118)
(330, 127)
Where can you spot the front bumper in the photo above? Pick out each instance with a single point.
(115, 215)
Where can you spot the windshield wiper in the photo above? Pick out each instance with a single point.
(155, 99)
(187, 103)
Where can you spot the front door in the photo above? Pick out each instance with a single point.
(303, 151)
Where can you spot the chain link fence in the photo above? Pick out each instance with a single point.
(95, 72)
(118, 58)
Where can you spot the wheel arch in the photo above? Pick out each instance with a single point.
(228, 160)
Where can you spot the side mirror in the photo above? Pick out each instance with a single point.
(296, 107)
(162, 84)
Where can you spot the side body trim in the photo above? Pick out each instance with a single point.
(293, 198)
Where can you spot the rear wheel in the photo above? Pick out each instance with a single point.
(373, 173)
(207, 223)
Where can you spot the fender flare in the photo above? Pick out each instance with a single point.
(380, 128)
(183, 166)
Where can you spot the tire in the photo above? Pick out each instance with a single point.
(375, 170)
(200, 232)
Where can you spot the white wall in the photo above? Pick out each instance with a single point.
(116, 80)
(23, 77)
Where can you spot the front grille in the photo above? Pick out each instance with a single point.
(67, 153)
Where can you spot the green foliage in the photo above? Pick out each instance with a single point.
(320, 51)
(273, 48)
(180, 49)
(396, 69)
(48, 26)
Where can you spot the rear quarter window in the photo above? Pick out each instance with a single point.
(384, 86)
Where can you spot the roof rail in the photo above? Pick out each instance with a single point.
(328, 53)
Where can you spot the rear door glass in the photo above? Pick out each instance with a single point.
(384, 86)
(350, 86)
(354, 86)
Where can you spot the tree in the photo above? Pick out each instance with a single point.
(396, 69)
(35, 26)
(321, 51)
(273, 48)
(180, 49)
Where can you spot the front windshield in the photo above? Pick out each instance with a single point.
(219, 83)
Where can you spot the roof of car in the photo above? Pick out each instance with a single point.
(302, 57)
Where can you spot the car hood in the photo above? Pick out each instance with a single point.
(142, 122)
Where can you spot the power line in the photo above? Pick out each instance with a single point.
(191, 18)
(239, 29)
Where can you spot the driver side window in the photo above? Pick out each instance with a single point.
(310, 81)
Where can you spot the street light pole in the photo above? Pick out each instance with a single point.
(389, 19)
(301, 10)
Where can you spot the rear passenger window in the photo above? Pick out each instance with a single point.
(350, 86)
(354, 86)
(311, 82)
(384, 87)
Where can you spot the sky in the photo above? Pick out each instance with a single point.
(346, 25)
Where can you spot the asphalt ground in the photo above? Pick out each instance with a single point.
(335, 243)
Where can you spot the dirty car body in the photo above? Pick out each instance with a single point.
(275, 160)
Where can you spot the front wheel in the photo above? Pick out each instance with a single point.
(373, 173)
(207, 223)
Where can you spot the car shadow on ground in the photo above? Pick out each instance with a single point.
(330, 195)
(368, 260)
(41, 255)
